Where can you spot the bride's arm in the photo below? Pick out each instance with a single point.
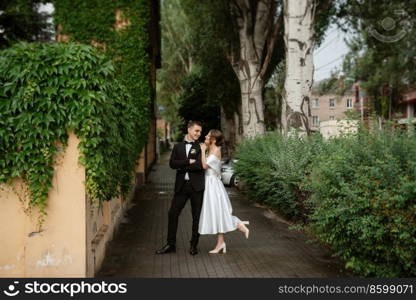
(203, 157)
(217, 153)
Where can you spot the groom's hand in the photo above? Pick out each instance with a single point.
(177, 162)
(195, 164)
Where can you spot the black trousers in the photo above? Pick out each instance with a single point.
(178, 203)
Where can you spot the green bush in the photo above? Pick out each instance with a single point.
(48, 89)
(355, 193)
(274, 167)
(364, 199)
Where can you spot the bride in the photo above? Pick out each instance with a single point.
(216, 213)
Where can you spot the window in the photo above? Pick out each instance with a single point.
(315, 120)
(331, 118)
(315, 103)
(349, 103)
(331, 102)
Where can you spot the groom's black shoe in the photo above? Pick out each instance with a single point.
(193, 250)
(166, 249)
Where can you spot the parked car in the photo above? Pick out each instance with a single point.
(227, 173)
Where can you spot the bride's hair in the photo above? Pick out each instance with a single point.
(217, 134)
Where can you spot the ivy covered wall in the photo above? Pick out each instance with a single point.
(124, 31)
(120, 29)
(103, 93)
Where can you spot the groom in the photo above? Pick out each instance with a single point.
(189, 184)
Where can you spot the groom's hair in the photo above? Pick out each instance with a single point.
(192, 123)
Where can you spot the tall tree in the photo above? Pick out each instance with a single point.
(192, 49)
(258, 25)
(177, 60)
(302, 31)
(255, 46)
(20, 20)
(299, 40)
(382, 53)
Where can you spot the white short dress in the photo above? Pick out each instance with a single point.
(216, 213)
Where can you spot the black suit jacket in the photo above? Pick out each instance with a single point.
(180, 162)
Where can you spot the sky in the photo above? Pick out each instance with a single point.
(326, 58)
(329, 55)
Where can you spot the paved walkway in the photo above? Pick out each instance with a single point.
(271, 251)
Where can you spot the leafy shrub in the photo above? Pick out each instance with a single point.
(274, 167)
(48, 89)
(355, 193)
(364, 199)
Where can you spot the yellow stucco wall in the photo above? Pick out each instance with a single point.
(75, 234)
(58, 251)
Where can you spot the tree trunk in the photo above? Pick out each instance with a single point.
(224, 125)
(299, 40)
(227, 129)
(257, 30)
(238, 128)
(252, 107)
(251, 85)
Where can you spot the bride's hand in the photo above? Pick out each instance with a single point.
(203, 147)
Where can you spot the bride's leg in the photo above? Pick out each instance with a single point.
(242, 227)
(220, 240)
(220, 244)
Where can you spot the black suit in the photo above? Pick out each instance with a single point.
(186, 189)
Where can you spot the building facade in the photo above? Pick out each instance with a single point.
(329, 107)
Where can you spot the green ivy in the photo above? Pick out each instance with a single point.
(94, 20)
(47, 90)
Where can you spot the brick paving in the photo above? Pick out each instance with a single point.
(271, 251)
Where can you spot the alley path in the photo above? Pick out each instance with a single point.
(271, 251)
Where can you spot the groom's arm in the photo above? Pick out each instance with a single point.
(176, 163)
(197, 165)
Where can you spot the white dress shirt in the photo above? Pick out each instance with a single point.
(188, 147)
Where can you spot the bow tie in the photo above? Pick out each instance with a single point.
(191, 143)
